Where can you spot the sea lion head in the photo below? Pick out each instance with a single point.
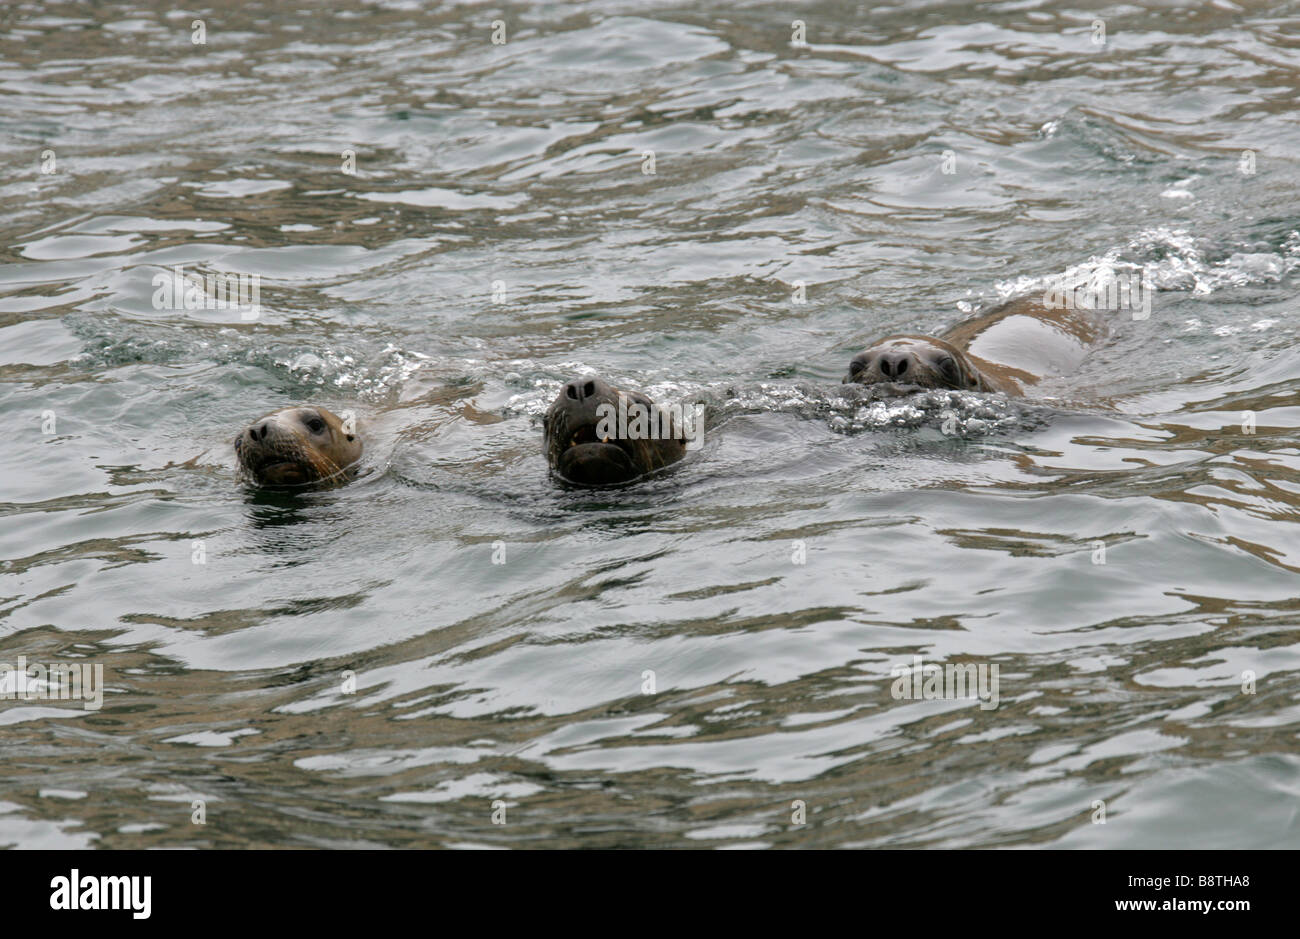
(298, 446)
(914, 362)
(587, 443)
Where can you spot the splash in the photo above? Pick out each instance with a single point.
(1167, 259)
(853, 409)
(366, 372)
(375, 377)
(845, 409)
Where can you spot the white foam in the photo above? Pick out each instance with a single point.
(1167, 259)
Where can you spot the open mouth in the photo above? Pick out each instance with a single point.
(280, 472)
(587, 434)
(592, 460)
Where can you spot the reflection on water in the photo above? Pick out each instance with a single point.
(444, 230)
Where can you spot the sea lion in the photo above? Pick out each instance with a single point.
(599, 435)
(1006, 350)
(298, 446)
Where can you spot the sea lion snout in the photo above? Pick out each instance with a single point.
(580, 389)
(914, 362)
(265, 430)
(893, 365)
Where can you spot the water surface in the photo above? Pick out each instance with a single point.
(499, 235)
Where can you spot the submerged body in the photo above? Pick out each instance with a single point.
(1006, 350)
(298, 446)
(586, 444)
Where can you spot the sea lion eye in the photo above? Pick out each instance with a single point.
(948, 368)
(857, 365)
(315, 425)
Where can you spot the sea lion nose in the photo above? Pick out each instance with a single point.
(893, 364)
(580, 389)
(258, 431)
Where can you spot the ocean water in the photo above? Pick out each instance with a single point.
(716, 205)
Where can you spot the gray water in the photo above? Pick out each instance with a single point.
(499, 236)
